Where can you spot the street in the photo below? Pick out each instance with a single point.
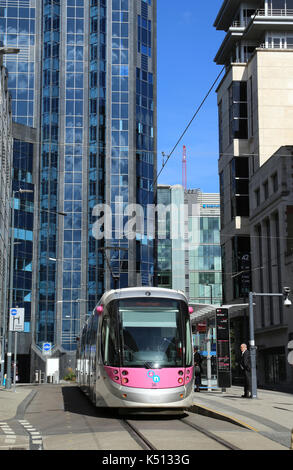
(61, 417)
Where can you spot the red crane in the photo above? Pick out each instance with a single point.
(184, 171)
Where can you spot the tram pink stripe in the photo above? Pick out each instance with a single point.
(150, 378)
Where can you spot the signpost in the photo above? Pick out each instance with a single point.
(16, 324)
(223, 348)
(16, 319)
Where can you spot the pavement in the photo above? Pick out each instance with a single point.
(269, 416)
(13, 402)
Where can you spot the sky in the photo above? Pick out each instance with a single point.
(187, 45)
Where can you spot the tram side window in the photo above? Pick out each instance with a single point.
(109, 346)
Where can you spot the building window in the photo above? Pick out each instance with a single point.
(238, 127)
(239, 169)
(257, 197)
(274, 178)
(277, 7)
(251, 108)
(220, 120)
(222, 186)
(241, 266)
(266, 190)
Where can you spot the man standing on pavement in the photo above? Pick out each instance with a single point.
(245, 366)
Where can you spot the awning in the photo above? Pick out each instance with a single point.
(205, 311)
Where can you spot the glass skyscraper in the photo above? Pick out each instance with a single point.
(85, 78)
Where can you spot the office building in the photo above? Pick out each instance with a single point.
(188, 244)
(255, 129)
(85, 79)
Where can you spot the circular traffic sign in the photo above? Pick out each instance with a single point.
(13, 311)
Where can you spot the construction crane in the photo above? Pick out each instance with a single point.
(184, 171)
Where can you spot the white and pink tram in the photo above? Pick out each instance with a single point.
(135, 351)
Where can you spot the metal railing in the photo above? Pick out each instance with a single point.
(275, 12)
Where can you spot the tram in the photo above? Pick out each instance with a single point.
(135, 351)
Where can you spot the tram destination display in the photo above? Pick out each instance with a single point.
(223, 348)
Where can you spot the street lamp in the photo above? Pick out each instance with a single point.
(9, 346)
(287, 303)
(211, 292)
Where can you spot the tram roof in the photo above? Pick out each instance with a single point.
(141, 292)
(205, 311)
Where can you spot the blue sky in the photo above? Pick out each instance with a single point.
(187, 45)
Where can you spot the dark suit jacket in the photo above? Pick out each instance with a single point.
(245, 361)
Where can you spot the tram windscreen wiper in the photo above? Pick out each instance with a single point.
(152, 365)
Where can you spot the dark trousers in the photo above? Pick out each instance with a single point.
(247, 382)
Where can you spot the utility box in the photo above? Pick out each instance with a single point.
(52, 369)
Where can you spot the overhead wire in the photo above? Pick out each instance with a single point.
(189, 123)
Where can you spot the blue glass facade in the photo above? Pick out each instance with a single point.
(45, 312)
(74, 152)
(17, 29)
(120, 154)
(145, 123)
(23, 153)
(96, 135)
(97, 143)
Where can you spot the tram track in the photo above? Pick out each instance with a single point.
(139, 432)
(218, 439)
(138, 436)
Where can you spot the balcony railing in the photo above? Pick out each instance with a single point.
(276, 12)
(271, 12)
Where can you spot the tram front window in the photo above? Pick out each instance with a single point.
(151, 333)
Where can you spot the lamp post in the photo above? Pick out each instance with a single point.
(9, 346)
(209, 357)
(4, 50)
(287, 303)
(211, 292)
